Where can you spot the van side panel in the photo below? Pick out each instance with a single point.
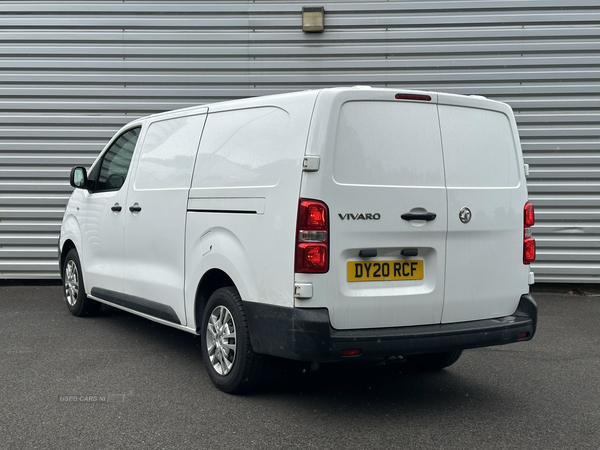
(244, 198)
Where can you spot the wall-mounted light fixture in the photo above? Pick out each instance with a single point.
(313, 19)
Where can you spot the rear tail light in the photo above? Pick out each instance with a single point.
(528, 241)
(312, 237)
(529, 215)
(528, 250)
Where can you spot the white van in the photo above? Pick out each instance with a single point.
(327, 225)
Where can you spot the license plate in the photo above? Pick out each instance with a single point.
(385, 270)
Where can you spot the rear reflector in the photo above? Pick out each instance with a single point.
(425, 98)
(522, 335)
(312, 237)
(351, 352)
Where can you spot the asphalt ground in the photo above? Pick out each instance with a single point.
(120, 381)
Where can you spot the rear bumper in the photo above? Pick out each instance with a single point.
(306, 334)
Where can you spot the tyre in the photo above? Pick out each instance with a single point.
(432, 361)
(231, 363)
(77, 302)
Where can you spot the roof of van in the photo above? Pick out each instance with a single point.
(366, 92)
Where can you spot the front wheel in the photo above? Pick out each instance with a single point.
(77, 302)
(230, 361)
(433, 361)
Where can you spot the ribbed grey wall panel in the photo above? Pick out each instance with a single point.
(73, 72)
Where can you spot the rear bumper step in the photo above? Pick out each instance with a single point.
(306, 334)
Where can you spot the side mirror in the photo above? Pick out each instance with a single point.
(78, 178)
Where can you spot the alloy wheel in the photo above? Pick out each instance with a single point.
(71, 283)
(221, 340)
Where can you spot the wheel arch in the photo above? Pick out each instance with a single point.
(215, 258)
(212, 280)
(70, 232)
(67, 246)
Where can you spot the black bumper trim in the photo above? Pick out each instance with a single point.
(306, 334)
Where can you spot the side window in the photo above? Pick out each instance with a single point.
(167, 156)
(243, 148)
(110, 173)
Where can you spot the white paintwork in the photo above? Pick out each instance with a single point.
(98, 232)
(387, 159)
(251, 157)
(155, 237)
(485, 276)
(243, 148)
(403, 160)
(230, 203)
(102, 249)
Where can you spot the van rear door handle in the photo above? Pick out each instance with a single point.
(116, 207)
(424, 216)
(135, 208)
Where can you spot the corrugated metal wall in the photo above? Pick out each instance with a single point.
(72, 72)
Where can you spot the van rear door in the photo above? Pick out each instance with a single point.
(382, 176)
(485, 275)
